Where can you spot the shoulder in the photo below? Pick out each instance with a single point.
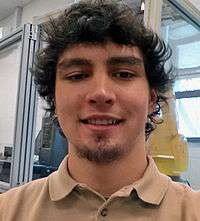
(33, 187)
(24, 196)
(184, 196)
(182, 190)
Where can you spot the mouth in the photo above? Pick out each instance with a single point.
(102, 122)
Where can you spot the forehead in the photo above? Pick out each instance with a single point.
(103, 51)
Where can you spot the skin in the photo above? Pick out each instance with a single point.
(104, 81)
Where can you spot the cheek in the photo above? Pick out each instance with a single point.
(67, 103)
(135, 102)
(67, 109)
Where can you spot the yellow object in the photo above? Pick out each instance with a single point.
(168, 148)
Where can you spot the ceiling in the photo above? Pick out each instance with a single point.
(7, 7)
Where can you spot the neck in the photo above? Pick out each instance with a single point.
(107, 179)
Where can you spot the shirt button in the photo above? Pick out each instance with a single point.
(104, 212)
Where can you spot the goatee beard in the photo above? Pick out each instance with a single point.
(102, 153)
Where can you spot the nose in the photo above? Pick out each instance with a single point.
(102, 93)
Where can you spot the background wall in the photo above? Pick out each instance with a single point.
(41, 7)
(32, 9)
(9, 63)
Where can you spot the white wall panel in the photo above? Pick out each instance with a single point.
(34, 8)
(41, 7)
(9, 75)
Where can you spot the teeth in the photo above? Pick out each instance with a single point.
(110, 121)
(102, 122)
(93, 121)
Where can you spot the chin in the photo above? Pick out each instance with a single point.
(101, 151)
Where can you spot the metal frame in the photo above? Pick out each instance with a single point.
(35, 45)
(188, 11)
(23, 151)
(193, 139)
(153, 8)
(187, 94)
(152, 14)
(11, 38)
(23, 157)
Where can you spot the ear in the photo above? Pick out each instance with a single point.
(152, 100)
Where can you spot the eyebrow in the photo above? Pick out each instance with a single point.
(128, 60)
(74, 62)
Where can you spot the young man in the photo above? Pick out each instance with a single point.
(102, 74)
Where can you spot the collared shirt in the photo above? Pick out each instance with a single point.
(58, 197)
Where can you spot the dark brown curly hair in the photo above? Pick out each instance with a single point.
(99, 21)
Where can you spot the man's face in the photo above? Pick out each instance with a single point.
(102, 100)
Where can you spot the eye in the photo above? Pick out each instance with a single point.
(77, 76)
(124, 75)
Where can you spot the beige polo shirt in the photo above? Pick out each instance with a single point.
(59, 198)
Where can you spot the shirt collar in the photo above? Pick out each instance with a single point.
(151, 188)
(60, 182)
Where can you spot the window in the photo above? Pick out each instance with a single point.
(184, 38)
(187, 93)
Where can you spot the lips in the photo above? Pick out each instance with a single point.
(102, 120)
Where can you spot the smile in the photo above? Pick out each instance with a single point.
(103, 122)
